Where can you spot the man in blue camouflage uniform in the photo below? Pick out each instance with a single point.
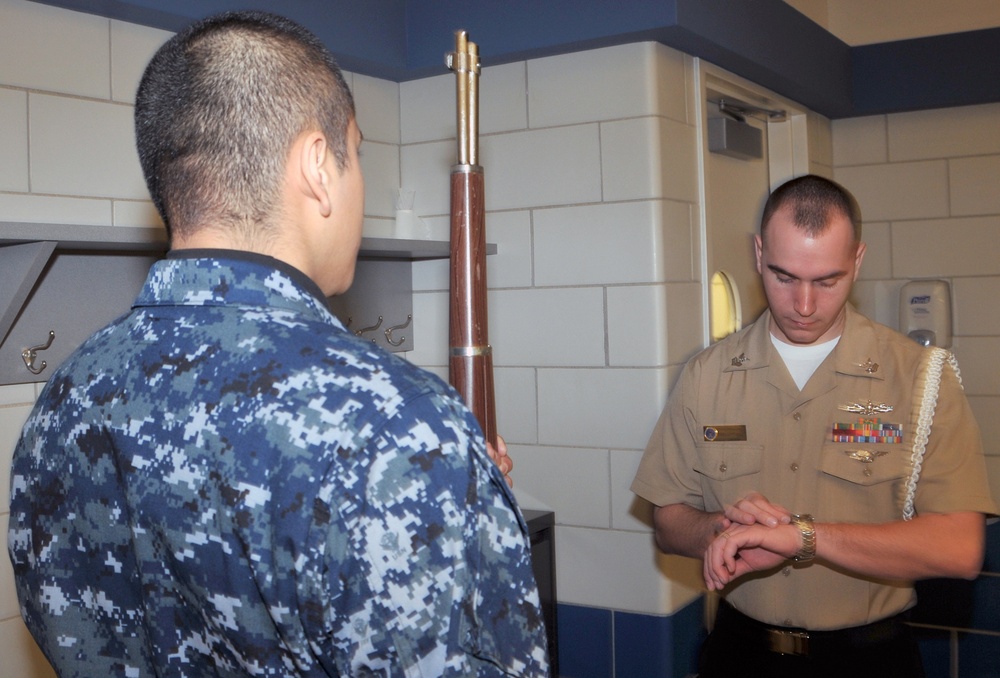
(226, 482)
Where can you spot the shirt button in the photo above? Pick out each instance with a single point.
(723, 468)
(788, 622)
(797, 416)
(794, 466)
(787, 571)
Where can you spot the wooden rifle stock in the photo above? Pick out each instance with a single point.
(470, 363)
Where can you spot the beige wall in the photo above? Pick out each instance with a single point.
(927, 184)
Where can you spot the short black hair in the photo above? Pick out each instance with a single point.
(217, 110)
(813, 198)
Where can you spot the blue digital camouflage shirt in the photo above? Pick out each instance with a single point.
(226, 482)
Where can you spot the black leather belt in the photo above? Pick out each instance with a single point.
(794, 641)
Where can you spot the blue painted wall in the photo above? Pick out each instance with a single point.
(765, 41)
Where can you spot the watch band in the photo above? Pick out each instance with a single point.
(804, 522)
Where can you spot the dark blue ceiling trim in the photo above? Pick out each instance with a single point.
(765, 41)
(959, 69)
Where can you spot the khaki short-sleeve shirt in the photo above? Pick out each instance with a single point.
(736, 422)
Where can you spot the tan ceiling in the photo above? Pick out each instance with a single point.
(862, 22)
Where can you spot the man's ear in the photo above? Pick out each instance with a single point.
(315, 171)
(758, 248)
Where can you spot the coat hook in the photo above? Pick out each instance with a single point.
(29, 355)
(370, 329)
(390, 330)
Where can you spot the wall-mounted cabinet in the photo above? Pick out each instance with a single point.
(71, 280)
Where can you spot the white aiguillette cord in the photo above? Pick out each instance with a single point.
(936, 359)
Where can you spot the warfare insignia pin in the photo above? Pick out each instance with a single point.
(867, 409)
(740, 359)
(866, 457)
(869, 366)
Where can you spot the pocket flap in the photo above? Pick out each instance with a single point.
(728, 460)
(865, 464)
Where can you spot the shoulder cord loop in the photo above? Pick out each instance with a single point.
(928, 403)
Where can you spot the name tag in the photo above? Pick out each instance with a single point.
(724, 433)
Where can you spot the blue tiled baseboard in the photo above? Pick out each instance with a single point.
(598, 643)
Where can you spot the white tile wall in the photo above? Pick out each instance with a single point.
(515, 391)
(380, 165)
(637, 332)
(977, 357)
(911, 190)
(14, 140)
(132, 46)
(945, 247)
(54, 209)
(607, 408)
(628, 512)
(21, 656)
(974, 186)
(602, 84)
(83, 148)
(547, 327)
(556, 166)
(648, 158)
(376, 105)
(51, 49)
(573, 482)
(599, 244)
(586, 557)
(426, 168)
(860, 141)
(944, 133)
(878, 253)
(975, 302)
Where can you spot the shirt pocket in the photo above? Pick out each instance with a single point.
(723, 461)
(865, 465)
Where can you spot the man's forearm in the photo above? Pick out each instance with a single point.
(686, 531)
(932, 545)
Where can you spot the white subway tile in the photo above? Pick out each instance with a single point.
(673, 83)
(860, 141)
(517, 410)
(132, 46)
(628, 512)
(820, 140)
(553, 478)
(430, 329)
(503, 94)
(601, 84)
(975, 185)
(509, 267)
(376, 105)
(16, 394)
(637, 326)
(428, 110)
(613, 408)
(878, 251)
(977, 358)
(379, 227)
(21, 656)
(547, 327)
(598, 244)
(56, 50)
(912, 190)
(43, 209)
(426, 168)
(944, 132)
(644, 581)
(136, 213)
(560, 166)
(13, 140)
(380, 165)
(83, 148)
(685, 335)
(945, 247)
(985, 409)
(975, 302)
(649, 157)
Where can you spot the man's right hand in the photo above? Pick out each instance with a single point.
(755, 509)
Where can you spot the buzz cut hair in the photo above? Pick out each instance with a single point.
(217, 111)
(814, 201)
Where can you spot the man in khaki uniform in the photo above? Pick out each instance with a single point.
(796, 460)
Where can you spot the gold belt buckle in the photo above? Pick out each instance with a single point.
(788, 642)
